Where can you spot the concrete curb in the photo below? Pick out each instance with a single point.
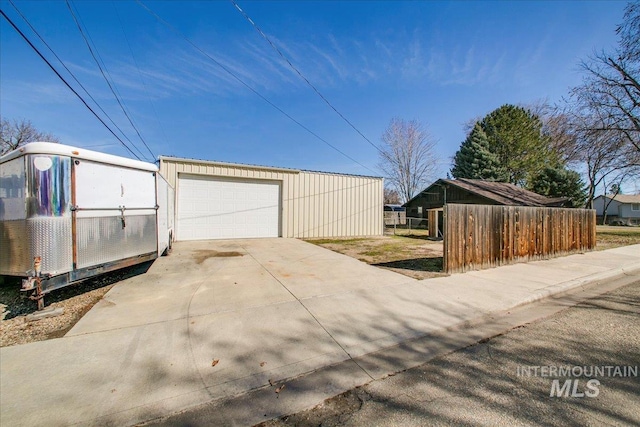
(561, 288)
(488, 324)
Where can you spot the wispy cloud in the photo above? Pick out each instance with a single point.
(414, 64)
(29, 93)
(530, 59)
(175, 69)
(448, 63)
(166, 70)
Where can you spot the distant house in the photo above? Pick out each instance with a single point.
(430, 201)
(622, 209)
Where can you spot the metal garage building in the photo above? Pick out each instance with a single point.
(217, 200)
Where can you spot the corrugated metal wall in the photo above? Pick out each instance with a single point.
(314, 204)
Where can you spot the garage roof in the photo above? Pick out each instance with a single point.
(260, 167)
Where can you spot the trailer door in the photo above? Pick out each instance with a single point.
(115, 213)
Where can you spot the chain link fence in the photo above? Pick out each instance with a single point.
(399, 224)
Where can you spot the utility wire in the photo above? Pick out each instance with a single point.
(144, 84)
(105, 73)
(102, 71)
(15, 27)
(70, 72)
(264, 36)
(232, 74)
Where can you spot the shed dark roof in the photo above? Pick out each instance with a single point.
(502, 193)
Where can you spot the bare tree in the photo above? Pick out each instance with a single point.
(407, 157)
(604, 154)
(629, 32)
(611, 88)
(14, 134)
(391, 197)
(469, 124)
(558, 127)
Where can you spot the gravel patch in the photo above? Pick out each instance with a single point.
(75, 300)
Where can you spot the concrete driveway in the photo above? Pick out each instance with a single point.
(252, 281)
(147, 347)
(266, 310)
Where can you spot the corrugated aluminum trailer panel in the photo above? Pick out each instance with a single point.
(35, 214)
(103, 239)
(23, 239)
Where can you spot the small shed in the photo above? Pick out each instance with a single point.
(218, 200)
(429, 203)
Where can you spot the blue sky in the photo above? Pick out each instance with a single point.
(442, 63)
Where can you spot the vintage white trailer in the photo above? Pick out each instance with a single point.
(67, 214)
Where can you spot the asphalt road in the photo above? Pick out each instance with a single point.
(487, 383)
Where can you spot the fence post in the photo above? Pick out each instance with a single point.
(445, 247)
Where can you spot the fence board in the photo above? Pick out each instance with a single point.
(483, 236)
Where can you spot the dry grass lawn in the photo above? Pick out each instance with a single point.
(415, 256)
(608, 236)
(411, 255)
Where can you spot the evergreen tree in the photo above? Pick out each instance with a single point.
(560, 182)
(515, 136)
(474, 160)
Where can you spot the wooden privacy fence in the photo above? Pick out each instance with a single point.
(482, 236)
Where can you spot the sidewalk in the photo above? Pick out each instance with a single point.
(484, 384)
(127, 375)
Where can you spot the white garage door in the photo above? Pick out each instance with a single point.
(211, 208)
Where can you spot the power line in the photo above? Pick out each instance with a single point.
(15, 27)
(102, 71)
(252, 22)
(144, 84)
(232, 74)
(70, 72)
